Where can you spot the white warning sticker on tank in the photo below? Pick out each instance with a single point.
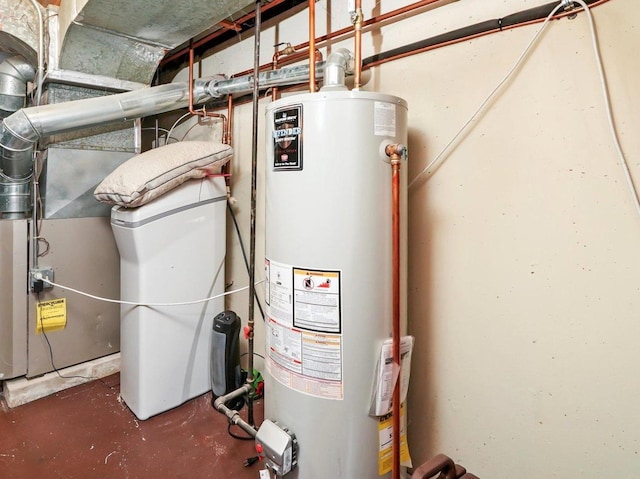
(279, 291)
(384, 118)
(316, 300)
(303, 334)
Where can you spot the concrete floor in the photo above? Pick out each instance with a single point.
(87, 432)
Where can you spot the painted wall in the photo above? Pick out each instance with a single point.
(524, 276)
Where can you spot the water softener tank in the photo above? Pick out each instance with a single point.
(329, 273)
(172, 250)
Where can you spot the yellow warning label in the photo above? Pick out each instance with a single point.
(385, 430)
(51, 315)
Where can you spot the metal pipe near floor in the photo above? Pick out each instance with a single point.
(232, 415)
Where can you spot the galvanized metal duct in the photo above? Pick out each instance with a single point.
(333, 70)
(21, 130)
(126, 39)
(15, 73)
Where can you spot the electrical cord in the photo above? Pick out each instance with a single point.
(463, 129)
(237, 436)
(244, 254)
(176, 124)
(39, 277)
(55, 368)
(255, 354)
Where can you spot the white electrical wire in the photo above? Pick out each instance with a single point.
(131, 303)
(605, 94)
(489, 98)
(607, 102)
(173, 127)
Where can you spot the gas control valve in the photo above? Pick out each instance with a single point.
(278, 447)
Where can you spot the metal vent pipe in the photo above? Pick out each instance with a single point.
(15, 73)
(21, 130)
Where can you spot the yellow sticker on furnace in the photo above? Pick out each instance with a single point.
(51, 315)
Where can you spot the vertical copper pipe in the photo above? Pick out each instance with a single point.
(203, 113)
(230, 119)
(358, 45)
(274, 66)
(312, 45)
(227, 169)
(394, 152)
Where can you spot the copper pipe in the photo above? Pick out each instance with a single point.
(440, 464)
(338, 33)
(291, 56)
(477, 35)
(203, 113)
(357, 26)
(312, 45)
(217, 33)
(230, 122)
(395, 153)
(287, 50)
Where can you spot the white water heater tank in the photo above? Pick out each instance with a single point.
(329, 274)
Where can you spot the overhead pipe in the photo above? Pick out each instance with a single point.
(291, 55)
(293, 75)
(344, 31)
(520, 19)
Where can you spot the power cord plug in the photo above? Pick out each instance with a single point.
(250, 461)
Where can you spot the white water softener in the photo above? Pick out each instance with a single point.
(171, 250)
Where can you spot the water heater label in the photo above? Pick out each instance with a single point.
(384, 119)
(287, 138)
(304, 340)
(316, 300)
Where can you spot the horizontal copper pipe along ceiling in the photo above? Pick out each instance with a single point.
(401, 11)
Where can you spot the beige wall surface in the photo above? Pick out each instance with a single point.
(524, 257)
